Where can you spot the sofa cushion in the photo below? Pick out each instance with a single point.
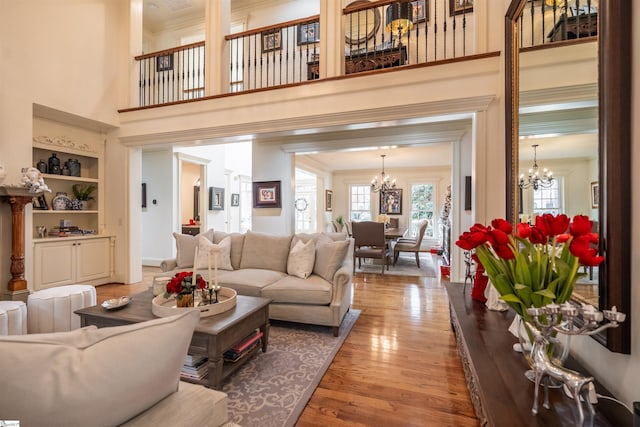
(237, 241)
(301, 259)
(191, 405)
(249, 281)
(330, 255)
(265, 251)
(186, 247)
(291, 289)
(91, 377)
(206, 248)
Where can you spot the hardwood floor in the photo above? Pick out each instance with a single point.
(399, 365)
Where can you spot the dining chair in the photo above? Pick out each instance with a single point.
(411, 245)
(347, 227)
(336, 226)
(369, 242)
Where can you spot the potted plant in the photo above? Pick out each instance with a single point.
(82, 192)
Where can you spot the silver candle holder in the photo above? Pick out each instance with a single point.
(548, 321)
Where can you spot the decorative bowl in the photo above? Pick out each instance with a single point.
(164, 307)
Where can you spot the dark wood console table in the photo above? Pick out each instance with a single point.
(367, 61)
(574, 27)
(501, 394)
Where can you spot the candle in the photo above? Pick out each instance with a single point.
(193, 275)
(209, 283)
(215, 258)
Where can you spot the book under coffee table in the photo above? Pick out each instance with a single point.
(212, 336)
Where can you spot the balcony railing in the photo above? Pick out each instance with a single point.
(171, 75)
(289, 52)
(551, 21)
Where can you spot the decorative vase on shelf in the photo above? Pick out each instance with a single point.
(42, 166)
(61, 202)
(54, 164)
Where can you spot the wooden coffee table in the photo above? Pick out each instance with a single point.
(213, 335)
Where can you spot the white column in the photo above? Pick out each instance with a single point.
(217, 25)
(331, 39)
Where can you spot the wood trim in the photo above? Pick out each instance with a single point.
(167, 51)
(615, 164)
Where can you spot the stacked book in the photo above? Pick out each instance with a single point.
(242, 348)
(195, 367)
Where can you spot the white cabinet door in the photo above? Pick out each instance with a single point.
(71, 261)
(92, 260)
(54, 264)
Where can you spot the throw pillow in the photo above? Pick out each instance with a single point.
(205, 247)
(301, 259)
(93, 376)
(265, 251)
(329, 257)
(186, 247)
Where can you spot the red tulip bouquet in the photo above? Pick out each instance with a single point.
(537, 265)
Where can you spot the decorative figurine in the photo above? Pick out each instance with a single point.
(33, 180)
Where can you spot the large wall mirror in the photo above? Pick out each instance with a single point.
(568, 110)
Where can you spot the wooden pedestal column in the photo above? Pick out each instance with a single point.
(17, 197)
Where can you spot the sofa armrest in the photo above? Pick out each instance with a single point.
(341, 280)
(168, 264)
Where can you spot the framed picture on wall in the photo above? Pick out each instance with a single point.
(271, 40)
(328, 200)
(420, 11)
(458, 7)
(309, 33)
(391, 202)
(266, 194)
(216, 199)
(164, 62)
(235, 199)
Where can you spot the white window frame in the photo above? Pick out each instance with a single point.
(366, 190)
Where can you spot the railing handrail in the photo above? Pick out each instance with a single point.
(560, 43)
(364, 6)
(167, 51)
(273, 27)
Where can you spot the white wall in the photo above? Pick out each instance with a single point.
(157, 218)
(273, 164)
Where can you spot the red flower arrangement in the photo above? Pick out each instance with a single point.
(539, 264)
(181, 284)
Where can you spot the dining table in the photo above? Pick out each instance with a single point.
(394, 233)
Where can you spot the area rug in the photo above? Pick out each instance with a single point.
(273, 388)
(405, 266)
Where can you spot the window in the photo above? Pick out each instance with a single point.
(549, 200)
(360, 202)
(422, 207)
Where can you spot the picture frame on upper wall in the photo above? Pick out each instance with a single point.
(266, 194)
(458, 7)
(595, 195)
(235, 199)
(420, 11)
(271, 40)
(308, 33)
(216, 199)
(391, 202)
(164, 62)
(328, 200)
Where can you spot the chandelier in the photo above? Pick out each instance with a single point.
(385, 183)
(534, 179)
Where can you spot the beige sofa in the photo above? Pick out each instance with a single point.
(123, 375)
(311, 284)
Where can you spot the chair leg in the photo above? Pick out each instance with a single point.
(395, 257)
(418, 258)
